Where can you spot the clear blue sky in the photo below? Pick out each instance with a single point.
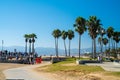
(18, 17)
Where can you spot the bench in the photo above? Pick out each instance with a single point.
(55, 59)
(87, 61)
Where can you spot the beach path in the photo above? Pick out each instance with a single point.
(108, 66)
(25, 73)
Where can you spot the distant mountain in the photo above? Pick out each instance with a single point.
(48, 51)
(12, 48)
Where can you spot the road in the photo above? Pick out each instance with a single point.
(108, 66)
(25, 73)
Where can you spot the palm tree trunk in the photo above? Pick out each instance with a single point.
(101, 45)
(26, 47)
(109, 49)
(105, 51)
(94, 48)
(69, 48)
(112, 41)
(57, 47)
(29, 48)
(102, 49)
(109, 43)
(33, 48)
(116, 50)
(114, 45)
(79, 44)
(65, 49)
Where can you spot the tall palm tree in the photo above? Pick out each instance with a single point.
(93, 25)
(33, 37)
(70, 37)
(80, 27)
(64, 36)
(56, 34)
(110, 31)
(26, 36)
(105, 42)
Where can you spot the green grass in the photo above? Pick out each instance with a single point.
(84, 58)
(69, 67)
(79, 68)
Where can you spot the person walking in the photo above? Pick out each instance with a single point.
(31, 58)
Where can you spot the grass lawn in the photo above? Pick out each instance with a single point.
(69, 65)
(70, 68)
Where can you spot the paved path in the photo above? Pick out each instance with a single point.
(25, 73)
(108, 66)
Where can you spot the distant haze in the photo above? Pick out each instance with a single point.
(48, 51)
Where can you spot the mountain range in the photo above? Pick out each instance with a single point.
(48, 51)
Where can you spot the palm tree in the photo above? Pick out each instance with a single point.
(93, 25)
(105, 42)
(70, 37)
(64, 36)
(110, 31)
(56, 34)
(80, 27)
(26, 36)
(33, 36)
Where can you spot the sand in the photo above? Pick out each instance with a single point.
(66, 76)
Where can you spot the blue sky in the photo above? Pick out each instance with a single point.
(18, 17)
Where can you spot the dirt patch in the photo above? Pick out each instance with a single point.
(66, 75)
(75, 75)
(4, 66)
(105, 77)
